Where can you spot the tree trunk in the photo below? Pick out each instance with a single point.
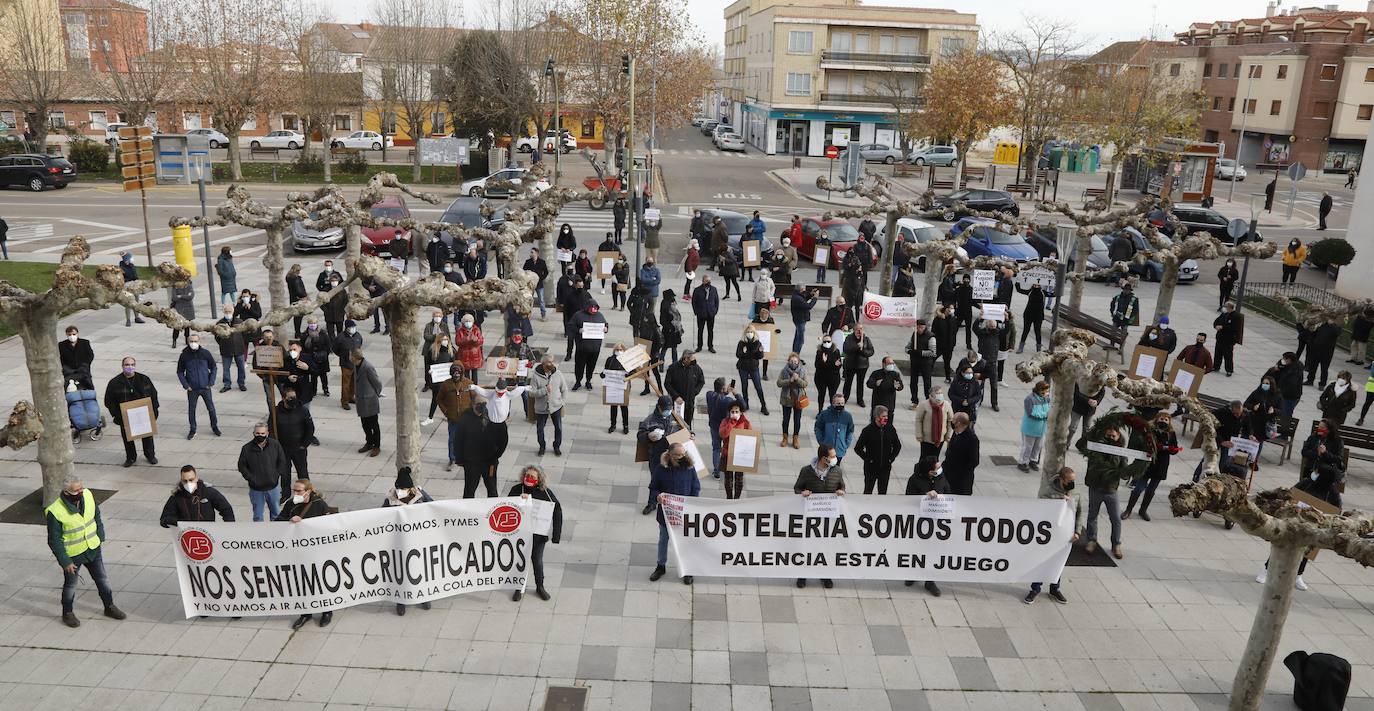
(405, 345)
(276, 268)
(38, 331)
(549, 254)
(353, 248)
(930, 287)
(959, 165)
(326, 139)
(415, 164)
(885, 288)
(1253, 673)
(1167, 283)
(235, 160)
(1080, 267)
(1057, 426)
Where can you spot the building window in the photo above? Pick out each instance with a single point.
(250, 124)
(343, 122)
(57, 119)
(887, 44)
(950, 46)
(1174, 69)
(1328, 72)
(388, 122)
(1275, 107)
(588, 129)
(908, 45)
(798, 84)
(1364, 112)
(840, 41)
(861, 42)
(1216, 103)
(1321, 109)
(1223, 71)
(1283, 71)
(1369, 74)
(1231, 104)
(438, 122)
(799, 42)
(1256, 71)
(98, 120)
(290, 122)
(6, 120)
(1250, 105)
(190, 120)
(1207, 70)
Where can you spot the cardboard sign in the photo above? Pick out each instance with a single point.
(751, 253)
(744, 450)
(984, 284)
(1306, 500)
(268, 358)
(1147, 362)
(822, 255)
(613, 393)
(137, 419)
(565, 255)
(502, 366)
(653, 215)
(440, 372)
(605, 263)
(593, 331)
(684, 437)
(1035, 275)
(1186, 377)
(634, 357)
(397, 264)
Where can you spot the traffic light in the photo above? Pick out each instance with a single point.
(548, 68)
(620, 158)
(625, 63)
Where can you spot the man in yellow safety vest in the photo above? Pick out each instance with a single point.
(74, 534)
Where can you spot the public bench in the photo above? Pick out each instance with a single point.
(1091, 194)
(255, 151)
(1022, 189)
(1356, 443)
(1109, 337)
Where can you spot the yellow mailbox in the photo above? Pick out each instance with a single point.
(184, 249)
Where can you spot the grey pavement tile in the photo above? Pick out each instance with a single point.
(908, 700)
(1206, 702)
(791, 698)
(707, 607)
(672, 696)
(778, 608)
(673, 634)
(749, 668)
(645, 554)
(608, 603)
(579, 575)
(621, 494)
(973, 674)
(994, 642)
(596, 662)
(574, 475)
(888, 640)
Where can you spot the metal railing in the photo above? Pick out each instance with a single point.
(1298, 292)
(830, 55)
(833, 98)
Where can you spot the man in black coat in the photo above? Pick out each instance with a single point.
(1227, 326)
(128, 386)
(801, 304)
(322, 280)
(885, 383)
(1168, 337)
(1287, 374)
(593, 322)
(1269, 193)
(961, 456)
(263, 464)
(1032, 316)
(1321, 348)
(920, 349)
(838, 317)
(857, 349)
(536, 265)
(705, 306)
(194, 500)
(1084, 407)
(685, 380)
(989, 334)
(963, 309)
(1232, 422)
(76, 356)
(295, 432)
(878, 446)
(1323, 209)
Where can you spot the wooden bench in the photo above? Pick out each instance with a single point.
(1109, 337)
(947, 184)
(342, 151)
(254, 151)
(1022, 189)
(1093, 193)
(1288, 430)
(1352, 438)
(974, 174)
(1209, 402)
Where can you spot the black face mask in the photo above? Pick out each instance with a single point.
(259, 439)
(1068, 486)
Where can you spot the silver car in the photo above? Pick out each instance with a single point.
(933, 155)
(875, 153)
(730, 142)
(304, 239)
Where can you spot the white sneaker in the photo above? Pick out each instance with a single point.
(427, 422)
(1262, 577)
(603, 289)
(1300, 584)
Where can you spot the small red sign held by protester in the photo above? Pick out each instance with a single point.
(832, 152)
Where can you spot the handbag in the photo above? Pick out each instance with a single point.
(802, 401)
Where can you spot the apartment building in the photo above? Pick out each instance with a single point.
(103, 35)
(801, 75)
(1300, 84)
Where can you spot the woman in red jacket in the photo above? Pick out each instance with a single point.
(690, 263)
(469, 340)
(734, 480)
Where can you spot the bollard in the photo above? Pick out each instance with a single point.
(184, 250)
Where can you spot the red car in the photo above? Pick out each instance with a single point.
(377, 240)
(841, 234)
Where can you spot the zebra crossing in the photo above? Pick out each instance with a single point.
(700, 152)
(21, 232)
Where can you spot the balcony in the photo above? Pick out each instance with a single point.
(874, 99)
(876, 60)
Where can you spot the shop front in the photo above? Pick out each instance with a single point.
(790, 132)
(1342, 156)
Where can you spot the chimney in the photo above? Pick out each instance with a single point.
(1269, 10)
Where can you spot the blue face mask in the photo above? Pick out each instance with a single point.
(665, 413)
(968, 376)
(1264, 387)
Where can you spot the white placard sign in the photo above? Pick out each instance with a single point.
(541, 516)
(1145, 365)
(940, 506)
(823, 505)
(743, 452)
(1241, 444)
(593, 331)
(822, 255)
(684, 437)
(565, 255)
(1183, 380)
(140, 420)
(439, 372)
(984, 284)
(1105, 448)
(397, 264)
(995, 312)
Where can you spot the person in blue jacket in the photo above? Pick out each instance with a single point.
(196, 372)
(835, 427)
(673, 473)
(650, 278)
(803, 301)
(718, 403)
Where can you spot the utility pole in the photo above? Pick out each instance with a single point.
(1240, 142)
(551, 72)
(627, 65)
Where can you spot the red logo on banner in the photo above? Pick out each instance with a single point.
(504, 519)
(873, 310)
(197, 545)
(501, 364)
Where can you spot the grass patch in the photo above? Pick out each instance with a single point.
(36, 277)
(1276, 312)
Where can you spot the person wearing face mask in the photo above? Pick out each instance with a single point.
(1166, 445)
(885, 383)
(718, 403)
(963, 310)
(128, 386)
(247, 307)
(1125, 306)
(368, 390)
(549, 391)
(75, 532)
(705, 306)
(196, 373)
(381, 321)
(934, 418)
(76, 355)
(436, 327)
(623, 411)
(498, 404)
(920, 351)
(469, 340)
(582, 267)
(858, 348)
(533, 485)
(1197, 354)
(791, 390)
(966, 393)
(194, 500)
(1295, 254)
(961, 455)
(1168, 338)
(1227, 327)
(296, 293)
(475, 264)
(300, 367)
(670, 474)
(1105, 472)
(1322, 453)
(589, 330)
(1263, 406)
(326, 274)
(317, 345)
(780, 265)
(802, 302)
(650, 278)
(1227, 277)
(335, 308)
(653, 434)
(691, 262)
(853, 280)
(228, 275)
(570, 301)
(438, 352)
(945, 328)
(295, 433)
(263, 465)
(620, 282)
(404, 492)
(754, 236)
(748, 355)
(348, 341)
(878, 446)
(1338, 399)
(1368, 397)
(670, 322)
(727, 266)
(1287, 374)
(927, 479)
(535, 265)
(1321, 349)
(1035, 413)
(763, 293)
(1032, 316)
(566, 240)
(232, 351)
(455, 399)
(436, 253)
(735, 420)
(683, 381)
(763, 320)
(306, 502)
(835, 427)
(1232, 422)
(607, 245)
(822, 476)
(1060, 485)
(184, 302)
(829, 360)
(130, 273)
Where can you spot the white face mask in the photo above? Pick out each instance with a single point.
(448, 270)
(828, 344)
(467, 323)
(297, 498)
(246, 299)
(443, 344)
(890, 367)
(402, 493)
(352, 330)
(750, 336)
(734, 415)
(438, 319)
(189, 486)
(329, 267)
(295, 355)
(194, 345)
(72, 338)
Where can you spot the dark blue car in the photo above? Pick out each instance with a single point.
(986, 239)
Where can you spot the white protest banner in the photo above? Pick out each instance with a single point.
(984, 284)
(995, 312)
(993, 540)
(892, 310)
(439, 372)
(406, 554)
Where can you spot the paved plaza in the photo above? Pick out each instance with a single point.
(1160, 630)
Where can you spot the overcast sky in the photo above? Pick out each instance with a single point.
(1100, 23)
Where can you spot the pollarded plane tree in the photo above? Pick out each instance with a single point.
(22, 428)
(1291, 528)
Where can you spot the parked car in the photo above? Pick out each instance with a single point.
(910, 229)
(304, 239)
(720, 130)
(365, 140)
(1097, 258)
(708, 125)
(875, 152)
(734, 229)
(981, 200)
(112, 133)
(1042, 237)
(1199, 219)
(467, 211)
(843, 236)
(698, 120)
(989, 238)
(933, 155)
(1152, 269)
(35, 171)
(290, 140)
(215, 138)
(477, 187)
(730, 142)
(526, 144)
(377, 240)
(1228, 170)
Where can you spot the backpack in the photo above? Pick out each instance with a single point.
(1320, 680)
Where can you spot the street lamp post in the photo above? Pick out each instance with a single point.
(627, 65)
(1240, 142)
(1255, 206)
(205, 230)
(1064, 237)
(552, 74)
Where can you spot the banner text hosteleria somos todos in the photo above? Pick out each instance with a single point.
(954, 538)
(406, 554)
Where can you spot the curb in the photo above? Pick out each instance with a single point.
(802, 196)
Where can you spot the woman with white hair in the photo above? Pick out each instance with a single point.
(690, 263)
(533, 485)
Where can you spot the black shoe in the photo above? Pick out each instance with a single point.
(1023, 467)
(710, 350)
(994, 408)
(828, 583)
(557, 452)
(128, 463)
(659, 572)
(932, 588)
(801, 582)
(225, 389)
(114, 613)
(376, 330)
(326, 618)
(69, 618)
(1058, 596)
(191, 434)
(624, 429)
(764, 410)
(567, 358)
(577, 385)
(400, 610)
(648, 509)
(1030, 597)
(515, 596)
(611, 428)
(326, 393)
(139, 320)
(300, 622)
(221, 434)
(152, 460)
(686, 580)
(364, 448)
(425, 606)
(543, 594)
(1144, 515)
(1125, 514)
(244, 388)
(909, 583)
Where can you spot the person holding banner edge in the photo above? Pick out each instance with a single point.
(406, 493)
(532, 485)
(306, 502)
(670, 473)
(822, 476)
(927, 480)
(1060, 485)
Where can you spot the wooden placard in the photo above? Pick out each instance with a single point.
(613, 393)
(821, 256)
(1191, 377)
(1147, 362)
(268, 358)
(684, 437)
(751, 253)
(745, 463)
(137, 419)
(604, 263)
(768, 337)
